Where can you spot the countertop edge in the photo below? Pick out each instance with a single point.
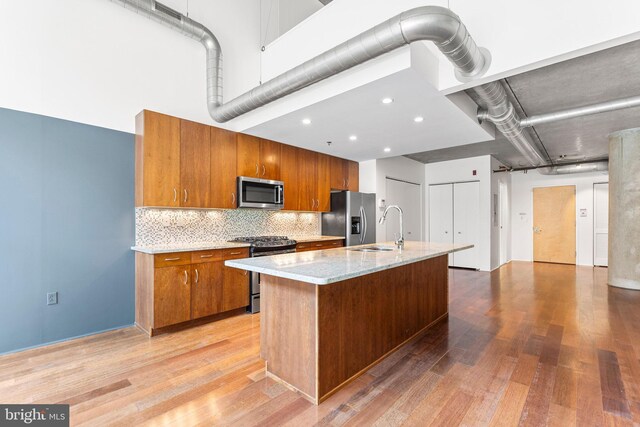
(327, 281)
(153, 251)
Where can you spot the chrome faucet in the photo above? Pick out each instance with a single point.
(400, 242)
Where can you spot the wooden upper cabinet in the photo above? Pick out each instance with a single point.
(258, 158)
(323, 172)
(307, 180)
(270, 159)
(157, 160)
(339, 173)
(223, 169)
(353, 176)
(195, 165)
(248, 155)
(289, 175)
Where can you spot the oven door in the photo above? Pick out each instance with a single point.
(260, 193)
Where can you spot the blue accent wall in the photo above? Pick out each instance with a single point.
(66, 225)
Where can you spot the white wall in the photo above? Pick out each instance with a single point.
(502, 26)
(460, 171)
(373, 176)
(522, 211)
(94, 62)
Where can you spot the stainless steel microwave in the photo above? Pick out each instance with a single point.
(260, 193)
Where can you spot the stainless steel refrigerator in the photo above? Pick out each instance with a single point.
(353, 215)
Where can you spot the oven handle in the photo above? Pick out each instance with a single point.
(284, 251)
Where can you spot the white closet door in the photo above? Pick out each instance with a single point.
(441, 214)
(601, 224)
(466, 210)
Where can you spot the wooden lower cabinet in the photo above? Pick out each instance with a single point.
(236, 289)
(206, 289)
(319, 245)
(171, 296)
(179, 287)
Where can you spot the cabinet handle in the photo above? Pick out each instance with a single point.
(344, 182)
(318, 245)
(197, 276)
(347, 183)
(235, 253)
(446, 232)
(317, 203)
(172, 259)
(246, 272)
(313, 203)
(257, 170)
(264, 170)
(186, 277)
(175, 195)
(206, 256)
(233, 199)
(186, 195)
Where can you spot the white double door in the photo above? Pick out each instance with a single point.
(454, 210)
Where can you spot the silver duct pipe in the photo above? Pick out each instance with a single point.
(618, 104)
(433, 23)
(578, 168)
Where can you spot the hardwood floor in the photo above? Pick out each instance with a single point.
(529, 344)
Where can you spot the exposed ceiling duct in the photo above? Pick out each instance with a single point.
(569, 168)
(587, 110)
(432, 23)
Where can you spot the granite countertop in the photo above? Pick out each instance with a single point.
(334, 265)
(187, 247)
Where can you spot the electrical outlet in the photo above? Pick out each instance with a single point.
(52, 298)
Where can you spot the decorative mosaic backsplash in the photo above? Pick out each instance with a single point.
(170, 226)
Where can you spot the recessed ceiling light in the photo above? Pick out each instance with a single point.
(306, 121)
(387, 100)
(386, 150)
(418, 119)
(353, 138)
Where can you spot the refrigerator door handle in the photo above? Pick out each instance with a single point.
(363, 213)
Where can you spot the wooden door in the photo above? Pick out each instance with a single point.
(554, 224)
(223, 169)
(157, 160)
(206, 289)
(235, 292)
(323, 187)
(248, 155)
(269, 159)
(353, 176)
(339, 173)
(171, 295)
(466, 223)
(195, 165)
(601, 224)
(307, 178)
(289, 175)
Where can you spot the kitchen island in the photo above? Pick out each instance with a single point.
(328, 316)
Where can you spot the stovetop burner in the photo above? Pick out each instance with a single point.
(265, 241)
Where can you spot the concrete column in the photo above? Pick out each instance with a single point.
(624, 209)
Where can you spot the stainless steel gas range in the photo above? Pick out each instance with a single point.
(263, 246)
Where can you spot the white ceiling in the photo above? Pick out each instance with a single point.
(360, 112)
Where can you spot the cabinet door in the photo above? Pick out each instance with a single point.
(235, 292)
(339, 174)
(289, 175)
(171, 295)
(223, 169)
(269, 159)
(307, 177)
(353, 176)
(195, 165)
(441, 215)
(323, 190)
(206, 289)
(248, 155)
(157, 160)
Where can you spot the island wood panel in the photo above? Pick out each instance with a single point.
(317, 339)
(195, 165)
(288, 331)
(223, 169)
